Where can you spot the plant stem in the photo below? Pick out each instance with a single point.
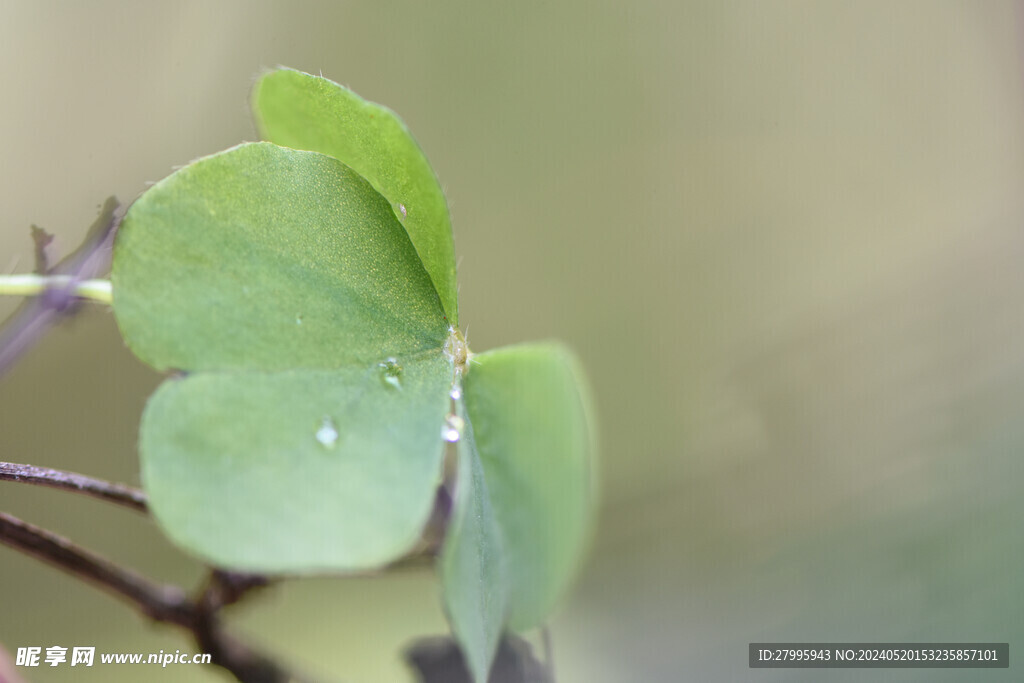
(72, 481)
(160, 602)
(163, 603)
(30, 284)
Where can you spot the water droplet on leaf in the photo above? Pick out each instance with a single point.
(391, 372)
(402, 211)
(327, 435)
(456, 392)
(452, 430)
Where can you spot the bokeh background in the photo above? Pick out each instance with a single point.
(785, 237)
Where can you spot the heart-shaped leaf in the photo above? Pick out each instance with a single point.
(298, 110)
(524, 495)
(269, 259)
(296, 471)
(530, 414)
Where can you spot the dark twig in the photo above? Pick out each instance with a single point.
(72, 481)
(225, 588)
(160, 602)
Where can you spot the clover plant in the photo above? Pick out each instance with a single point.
(301, 290)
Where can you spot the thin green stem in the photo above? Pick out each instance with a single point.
(30, 284)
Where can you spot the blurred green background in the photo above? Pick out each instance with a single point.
(785, 238)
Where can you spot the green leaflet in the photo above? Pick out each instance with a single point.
(530, 415)
(523, 503)
(298, 110)
(296, 471)
(472, 562)
(267, 258)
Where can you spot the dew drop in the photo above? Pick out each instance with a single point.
(401, 210)
(452, 430)
(456, 392)
(327, 435)
(391, 372)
